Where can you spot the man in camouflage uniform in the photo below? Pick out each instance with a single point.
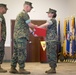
(3, 10)
(51, 40)
(21, 36)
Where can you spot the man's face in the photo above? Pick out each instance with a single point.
(27, 8)
(4, 10)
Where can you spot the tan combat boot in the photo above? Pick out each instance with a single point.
(2, 70)
(51, 71)
(13, 70)
(23, 71)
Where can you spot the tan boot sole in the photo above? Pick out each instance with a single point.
(13, 72)
(24, 73)
(51, 72)
(3, 71)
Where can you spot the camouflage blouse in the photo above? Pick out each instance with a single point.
(51, 34)
(3, 26)
(21, 28)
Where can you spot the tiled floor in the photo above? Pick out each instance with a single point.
(40, 68)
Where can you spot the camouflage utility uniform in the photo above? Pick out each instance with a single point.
(21, 36)
(51, 43)
(3, 35)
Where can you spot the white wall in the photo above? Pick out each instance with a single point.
(72, 7)
(38, 13)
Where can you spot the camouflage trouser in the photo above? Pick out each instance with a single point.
(51, 48)
(2, 43)
(20, 53)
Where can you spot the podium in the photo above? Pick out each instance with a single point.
(41, 32)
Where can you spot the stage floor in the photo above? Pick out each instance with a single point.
(40, 68)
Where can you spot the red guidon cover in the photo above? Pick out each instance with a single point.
(40, 32)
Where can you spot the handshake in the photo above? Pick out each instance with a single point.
(38, 32)
(33, 32)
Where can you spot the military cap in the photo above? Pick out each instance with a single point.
(51, 11)
(28, 3)
(3, 5)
